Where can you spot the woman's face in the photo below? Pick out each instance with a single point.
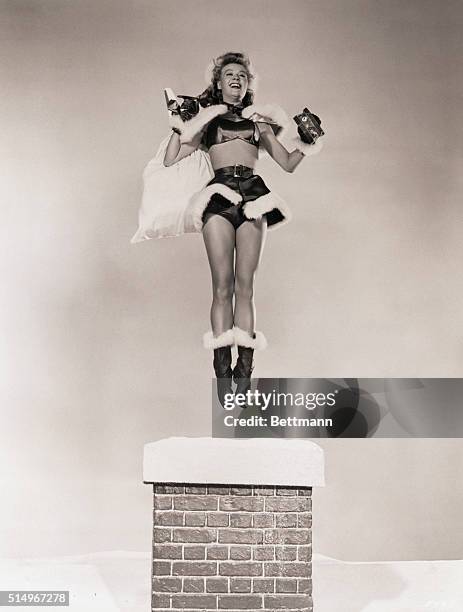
(233, 83)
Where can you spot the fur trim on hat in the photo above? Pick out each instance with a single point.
(243, 338)
(266, 113)
(201, 199)
(190, 129)
(304, 147)
(256, 208)
(210, 341)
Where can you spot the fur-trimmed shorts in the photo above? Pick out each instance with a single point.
(256, 198)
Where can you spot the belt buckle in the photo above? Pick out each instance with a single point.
(237, 171)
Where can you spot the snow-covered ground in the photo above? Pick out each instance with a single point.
(121, 581)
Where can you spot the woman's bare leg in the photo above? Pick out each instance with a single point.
(250, 239)
(219, 238)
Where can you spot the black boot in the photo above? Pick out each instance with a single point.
(246, 344)
(223, 372)
(243, 369)
(222, 361)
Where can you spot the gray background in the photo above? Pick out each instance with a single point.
(102, 340)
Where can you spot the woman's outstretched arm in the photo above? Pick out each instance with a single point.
(288, 161)
(177, 150)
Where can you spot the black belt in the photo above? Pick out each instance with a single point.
(237, 171)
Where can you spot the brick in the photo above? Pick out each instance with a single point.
(287, 570)
(167, 551)
(217, 585)
(263, 585)
(240, 553)
(218, 519)
(196, 489)
(169, 489)
(239, 602)
(189, 534)
(286, 520)
(240, 585)
(264, 553)
(266, 491)
(304, 585)
(241, 491)
(286, 504)
(287, 536)
(194, 602)
(195, 502)
(305, 492)
(167, 585)
(219, 553)
(161, 568)
(287, 491)
(171, 519)
(287, 602)
(240, 520)
(162, 503)
(241, 536)
(288, 585)
(218, 490)
(240, 504)
(261, 521)
(193, 585)
(160, 600)
(286, 553)
(195, 519)
(304, 520)
(194, 552)
(162, 535)
(194, 568)
(230, 568)
(304, 553)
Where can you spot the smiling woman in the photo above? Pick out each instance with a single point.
(234, 207)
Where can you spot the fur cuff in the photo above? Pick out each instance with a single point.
(201, 199)
(267, 113)
(305, 148)
(242, 338)
(266, 203)
(190, 129)
(212, 342)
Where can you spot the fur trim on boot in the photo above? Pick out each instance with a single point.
(266, 203)
(243, 338)
(190, 129)
(201, 199)
(213, 342)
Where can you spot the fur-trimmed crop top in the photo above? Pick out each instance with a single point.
(222, 130)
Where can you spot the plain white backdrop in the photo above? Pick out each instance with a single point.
(101, 347)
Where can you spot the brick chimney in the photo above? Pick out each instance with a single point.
(232, 523)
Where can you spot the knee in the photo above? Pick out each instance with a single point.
(244, 288)
(223, 292)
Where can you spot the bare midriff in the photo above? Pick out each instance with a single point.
(232, 152)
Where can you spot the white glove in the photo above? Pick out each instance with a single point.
(189, 129)
(266, 113)
(304, 147)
